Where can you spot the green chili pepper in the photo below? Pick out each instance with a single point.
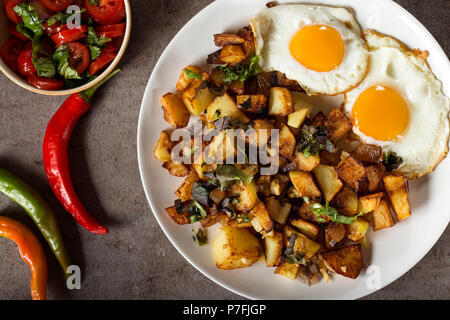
(39, 210)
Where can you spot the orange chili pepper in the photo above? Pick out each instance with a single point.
(31, 252)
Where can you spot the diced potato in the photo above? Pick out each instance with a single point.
(278, 183)
(197, 97)
(296, 118)
(375, 174)
(237, 87)
(262, 215)
(280, 102)
(221, 148)
(318, 119)
(357, 230)
(273, 249)
(184, 192)
(249, 44)
(225, 106)
(235, 248)
(369, 202)
(163, 147)
(177, 218)
(306, 164)
(346, 261)
(330, 158)
(352, 172)
(287, 142)
(248, 197)
(224, 39)
(176, 169)
(232, 54)
(304, 183)
(305, 213)
(256, 103)
(338, 125)
(346, 201)
(263, 184)
(382, 217)
(175, 111)
(367, 153)
(262, 132)
(217, 195)
(293, 193)
(334, 233)
(184, 81)
(278, 212)
(288, 270)
(214, 58)
(309, 229)
(397, 190)
(201, 167)
(328, 181)
(303, 244)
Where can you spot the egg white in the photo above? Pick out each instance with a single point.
(425, 141)
(275, 27)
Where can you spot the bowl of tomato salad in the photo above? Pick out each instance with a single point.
(59, 47)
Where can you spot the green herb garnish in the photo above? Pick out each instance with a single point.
(61, 56)
(30, 19)
(243, 218)
(312, 140)
(192, 74)
(200, 237)
(95, 43)
(320, 211)
(44, 64)
(241, 72)
(197, 211)
(228, 174)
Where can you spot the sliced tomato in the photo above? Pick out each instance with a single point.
(10, 51)
(112, 30)
(57, 5)
(107, 11)
(54, 29)
(25, 61)
(78, 57)
(9, 9)
(43, 12)
(45, 83)
(107, 55)
(14, 32)
(70, 35)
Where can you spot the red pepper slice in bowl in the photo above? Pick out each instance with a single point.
(78, 57)
(70, 35)
(54, 29)
(112, 30)
(9, 52)
(108, 54)
(106, 11)
(25, 61)
(57, 5)
(45, 83)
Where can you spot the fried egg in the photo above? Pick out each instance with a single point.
(318, 46)
(400, 106)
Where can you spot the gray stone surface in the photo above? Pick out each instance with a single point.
(136, 260)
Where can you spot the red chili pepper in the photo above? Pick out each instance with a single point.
(56, 160)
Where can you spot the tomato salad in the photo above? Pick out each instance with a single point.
(51, 50)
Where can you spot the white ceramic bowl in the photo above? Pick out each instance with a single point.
(17, 78)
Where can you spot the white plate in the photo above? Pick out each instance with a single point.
(393, 251)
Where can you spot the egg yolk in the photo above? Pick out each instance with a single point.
(381, 113)
(318, 47)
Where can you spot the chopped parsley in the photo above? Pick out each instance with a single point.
(320, 211)
(192, 74)
(241, 72)
(312, 140)
(227, 175)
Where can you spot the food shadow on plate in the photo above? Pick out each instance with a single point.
(419, 192)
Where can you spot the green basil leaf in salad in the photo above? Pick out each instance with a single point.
(94, 51)
(95, 43)
(24, 31)
(30, 19)
(61, 56)
(241, 72)
(320, 211)
(42, 61)
(192, 74)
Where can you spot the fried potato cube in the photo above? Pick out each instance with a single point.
(175, 111)
(306, 164)
(232, 54)
(296, 118)
(225, 106)
(224, 39)
(334, 233)
(287, 142)
(273, 249)
(214, 58)
(337, 124)
(369, 202)
(306, 213)
(237, 87)
(184, 81)
(288, 270)
(184, 192)
(352, 172)
(280, 102)
(278, 212)
(247, 34)
(330, 158)
(381, 216)
(278, 183)
(163, 147)
(256, 103)
(290, 84)
(328, 181)
(262, 215)
(303, 244)
(346, 261)
(262, 132)
(309, 229)
(235, 248)
(397, 190)
(375, 174)
(346, 201)
(176, 169)
(304, 183)
(222, 147)
(177, 218)
(318, 119)
(367, 153)
(357, 229)
(248, 197)
(216, 76)
(197, 97)
(263, 184)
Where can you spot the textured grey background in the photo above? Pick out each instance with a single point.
(136, 260)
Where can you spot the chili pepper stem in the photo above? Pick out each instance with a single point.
(88, 94)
